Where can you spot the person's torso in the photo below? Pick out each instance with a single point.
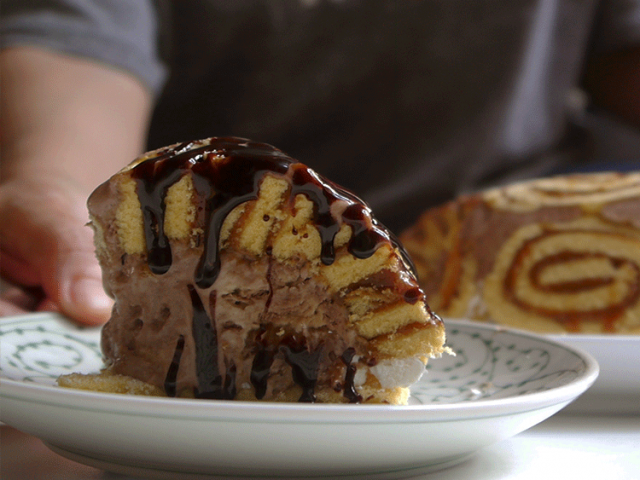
(405, 102)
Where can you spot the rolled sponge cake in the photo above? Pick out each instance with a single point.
(240, 273)
(553, 255)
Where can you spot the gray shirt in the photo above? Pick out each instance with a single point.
(407, 103)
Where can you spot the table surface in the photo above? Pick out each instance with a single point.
(564, 446)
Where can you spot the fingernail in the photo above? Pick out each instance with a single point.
(91, 303)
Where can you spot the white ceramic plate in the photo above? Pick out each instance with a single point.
(617, 389)
(500, 383)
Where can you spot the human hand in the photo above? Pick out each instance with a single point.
(67, 124)
(47, 252)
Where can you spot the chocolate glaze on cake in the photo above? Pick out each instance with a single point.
(228, 184)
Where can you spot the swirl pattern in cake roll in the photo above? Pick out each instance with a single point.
(584, 190)
(552, 255)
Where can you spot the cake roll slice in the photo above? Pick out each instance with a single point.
(240, 273)
(559, 254)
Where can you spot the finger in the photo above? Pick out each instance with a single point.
(79, 289)
(48, 305)
(16, 300)
(8, 308)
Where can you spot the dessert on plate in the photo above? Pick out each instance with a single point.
(240, 273)
(559, 254)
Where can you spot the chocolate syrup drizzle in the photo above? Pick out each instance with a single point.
(297, 354)
(349, 390)
(170, 381)
(232, 179)
(210, 382)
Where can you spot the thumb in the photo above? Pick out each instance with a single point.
(78, 286)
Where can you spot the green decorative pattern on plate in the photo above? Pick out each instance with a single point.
(490, 363)
(39, 348)
(494, 363)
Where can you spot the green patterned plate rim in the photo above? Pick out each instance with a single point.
(490, 362)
